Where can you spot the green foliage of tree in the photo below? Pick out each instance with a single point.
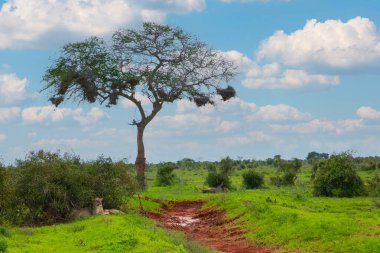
(368, 163)
(48, 186)
(7, 194)
(217, 179)
(3, 244)
(220, 177)
(374, 186)
(165, 174)
(252, 179)
(158, 62)
(111, 181)
(315, 156)
(336, 177)
(286, 171)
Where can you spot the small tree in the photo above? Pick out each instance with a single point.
(252, 179)
(220, 177)
(160, 63)
(165, 174)
(286, 171)
(336, 177)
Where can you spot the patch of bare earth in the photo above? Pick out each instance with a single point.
(209, 227)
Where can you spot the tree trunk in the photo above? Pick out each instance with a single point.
(140, 159)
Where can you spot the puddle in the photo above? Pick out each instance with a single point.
(182, 221)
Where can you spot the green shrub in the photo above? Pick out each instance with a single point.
(3, 244)
(218, 179)
(286, 171)
(374, 186)
(4, 232)
(252, 179)
(7, 194)
(226, 166)
(49, 186)
(111, 181)
(165, 175)
(336, 177)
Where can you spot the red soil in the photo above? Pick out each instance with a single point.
(209, 227)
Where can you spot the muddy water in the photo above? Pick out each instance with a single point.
(208, 226)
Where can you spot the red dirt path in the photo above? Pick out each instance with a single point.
(209, 227)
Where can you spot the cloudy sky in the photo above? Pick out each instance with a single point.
(309, 79)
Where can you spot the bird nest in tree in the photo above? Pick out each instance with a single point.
(226, 93)
(201, 101)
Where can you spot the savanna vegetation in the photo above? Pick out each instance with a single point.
(328, 205)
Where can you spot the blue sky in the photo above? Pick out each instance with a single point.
(309, 79)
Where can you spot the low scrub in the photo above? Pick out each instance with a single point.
(336, 177)
(220, 177)
(286, 172)
(252, 179)
(165, 174)
(374, 186)
(46, 187)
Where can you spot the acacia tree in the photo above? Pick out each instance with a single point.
(157, 62)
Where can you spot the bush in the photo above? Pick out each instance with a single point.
(3, 244)
(336, 177)
(226, 166)
(215, 179)
(4, 232)
(374, 186)
(165, 175)
(252, 179)
(7, 194)
(221, 177)
(49, 186)
(286, 172)
(111, 181)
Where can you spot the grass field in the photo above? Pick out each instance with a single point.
(117, 233)
(288, 218)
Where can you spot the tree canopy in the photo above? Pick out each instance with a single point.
(158, 62)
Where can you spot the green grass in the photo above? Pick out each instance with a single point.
(289, 217)
(116, 233)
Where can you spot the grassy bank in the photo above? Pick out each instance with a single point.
(116, 233)
(288, 217)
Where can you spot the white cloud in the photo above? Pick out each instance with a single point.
(91, 117)
(250, 137)
(184, 120)
(290, 79)
(332, 43)
(226, 126)
(8, 113)
(252, 1)
(274, 75)
(2, 137)
(51, 113)
(323, 126)
(233, 104)
(239, 59)
(12, 88)
(129, 104)
(44, 113)
(367, 112)
(26, 23)
(59, 142)
(278, 112)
